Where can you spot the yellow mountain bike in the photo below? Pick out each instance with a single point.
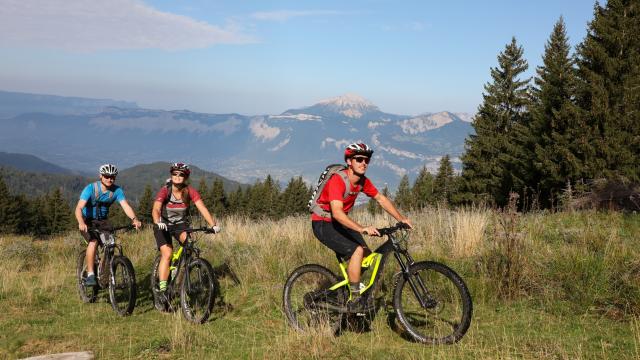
(191, 278)
(430, 301)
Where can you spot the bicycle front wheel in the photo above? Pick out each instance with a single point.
(198, 291)
(308, 303)
(88, 294)
(444, 314)
(122, 286)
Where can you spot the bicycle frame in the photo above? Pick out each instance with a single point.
(105, 253)
(378, 259)
(183, 255)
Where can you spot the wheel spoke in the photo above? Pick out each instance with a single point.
(198, 291)
(308, 302)
(447, 313)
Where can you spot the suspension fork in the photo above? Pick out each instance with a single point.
(186, 260)
(419, 289)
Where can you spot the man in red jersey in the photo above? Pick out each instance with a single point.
(334, 228)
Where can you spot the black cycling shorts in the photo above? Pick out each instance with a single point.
(338, 238)
(102, 225)
(163, 237)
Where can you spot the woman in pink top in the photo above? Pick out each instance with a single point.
(170, 214)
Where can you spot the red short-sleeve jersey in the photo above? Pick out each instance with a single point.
(175, 211)
(334, 190)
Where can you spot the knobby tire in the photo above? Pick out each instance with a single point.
(122, 286)
(198, 292)
(305, 293)
(447, 316)
(88, 294)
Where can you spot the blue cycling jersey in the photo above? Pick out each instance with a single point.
(99, 208)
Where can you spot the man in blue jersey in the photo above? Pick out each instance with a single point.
(93, 210)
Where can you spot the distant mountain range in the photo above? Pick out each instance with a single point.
(14, 103)
(32, 176)
(32, 163)
(297, 142)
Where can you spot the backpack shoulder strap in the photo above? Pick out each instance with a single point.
(167, 198)
(96, 193)
(331, 170)
(347, 184)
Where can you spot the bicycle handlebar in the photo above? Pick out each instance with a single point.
(204, 229)
(392, 229)
(112, 229)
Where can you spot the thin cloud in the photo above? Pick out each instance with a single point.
(284, 15)
(80, 25)
(261, 130)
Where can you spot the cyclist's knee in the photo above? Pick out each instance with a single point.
(165, 251)
(359, 251)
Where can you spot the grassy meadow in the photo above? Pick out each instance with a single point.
(544, 286)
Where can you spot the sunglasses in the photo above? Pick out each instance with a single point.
(360, 159)
(110, 177)
(177, 174)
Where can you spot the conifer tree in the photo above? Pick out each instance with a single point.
(146, 205)
(373, 207)
(237, 202)
(271, 193)
(5, 203)
(59, 213)
(218, 199)
(203, 190)
(404, 198)
(608, 89)
(17, 221)
(254, 204)
(117, 217)
(493, 164)
(295, 197)
(422, 189)
(444, 182)
(39, 216)
(558, 138)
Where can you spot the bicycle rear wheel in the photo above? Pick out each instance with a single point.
(122, 286)
(446, 314)
(198, 291)
(88, 294)
(308, 303)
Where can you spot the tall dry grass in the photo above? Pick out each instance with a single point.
(570, 267)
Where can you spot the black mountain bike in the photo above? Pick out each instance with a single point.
(113, 271)
(191, 278)
(431, 302)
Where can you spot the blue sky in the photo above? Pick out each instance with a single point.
(264, 57)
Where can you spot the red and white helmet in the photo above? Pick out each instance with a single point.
(357, 149)
(109, 170)
(182, 167)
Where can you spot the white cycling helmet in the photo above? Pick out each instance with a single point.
(108, 169)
